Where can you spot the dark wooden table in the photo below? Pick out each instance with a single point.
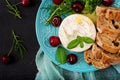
(21, 69)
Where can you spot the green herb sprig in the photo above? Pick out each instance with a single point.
(60, 10)
(79, 41)
(90, 5)
(13, 9)
(17, 45)
(65, 8)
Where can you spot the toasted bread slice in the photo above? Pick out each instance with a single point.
(101, 11)
(105, 57)
(89, 58)
(99, 64)
(111, 13)
(107, 24)
(109, 41)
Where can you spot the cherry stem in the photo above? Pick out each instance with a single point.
(18, 3)
(11, 49)
(55, 32)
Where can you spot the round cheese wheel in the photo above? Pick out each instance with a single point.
(73, 26)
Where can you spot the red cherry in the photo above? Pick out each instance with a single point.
(72, 58)
(5, 59)
(77, 6)
(54, 41)
(57, 2)
(25, 2)
(56, 21)
(107, 2)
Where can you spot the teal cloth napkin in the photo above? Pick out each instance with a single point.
(49, 71)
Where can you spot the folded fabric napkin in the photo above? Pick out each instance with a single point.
(49, 71)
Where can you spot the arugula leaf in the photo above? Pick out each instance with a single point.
(88, 40)
(61, 55)
(60, 10)
(90, 5)
(73, 44)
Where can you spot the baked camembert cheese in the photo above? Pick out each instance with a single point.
(76, 25)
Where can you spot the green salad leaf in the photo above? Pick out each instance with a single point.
(61, 55)
(90, 5)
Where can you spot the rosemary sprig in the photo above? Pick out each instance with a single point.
(18, 44)
(13, 9)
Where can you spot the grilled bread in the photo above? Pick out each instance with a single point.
(90, 59)
(106, 49)
(104, 56)
(109, 41)
(107, 24)
(111, 13)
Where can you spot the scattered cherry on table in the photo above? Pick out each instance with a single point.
(5, 59)
(25, 2)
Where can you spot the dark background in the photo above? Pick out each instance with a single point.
(20, 69)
